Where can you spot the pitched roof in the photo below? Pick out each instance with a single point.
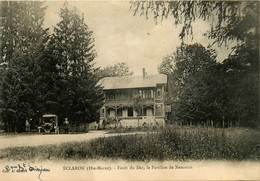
(127, 82)
(48, 115)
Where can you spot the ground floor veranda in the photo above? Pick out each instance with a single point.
(128, 116)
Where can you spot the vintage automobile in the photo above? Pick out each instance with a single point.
(49, 123)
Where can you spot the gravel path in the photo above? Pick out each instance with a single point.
(36, 140)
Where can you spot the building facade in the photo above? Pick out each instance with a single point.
(134, 101)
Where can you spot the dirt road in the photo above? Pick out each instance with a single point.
(36, 140)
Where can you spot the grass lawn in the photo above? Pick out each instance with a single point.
(171, 143)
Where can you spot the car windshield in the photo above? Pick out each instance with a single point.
(48, 119)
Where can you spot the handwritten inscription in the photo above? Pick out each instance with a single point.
(20, 168)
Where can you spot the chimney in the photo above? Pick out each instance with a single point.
(143, 72)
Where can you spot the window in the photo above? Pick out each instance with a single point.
(112, 113)
(159, 92)
(122, 95)
(147, 94)
(149, 112)
(140, 93)
(130, 95)
(119, 112)
(130, 112)
(143, 94)
(159, 110)
(111, 95)
(124, 112)
(102, 112)
(125, 95)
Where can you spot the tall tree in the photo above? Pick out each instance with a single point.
(22, 36)
(72, 47)
(190, 91)
(241, 72)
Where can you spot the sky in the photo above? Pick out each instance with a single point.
(121, 37)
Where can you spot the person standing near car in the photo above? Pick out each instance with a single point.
(66, 123)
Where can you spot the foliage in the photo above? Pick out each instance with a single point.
(240, 74)
(43, 73)
(22, 40)
(236, 78)
(21, 30)
(117, 70)
(229, 19)
(172, 143)
(202, 90)
(167, 65)
(192, 84)
(72, 46)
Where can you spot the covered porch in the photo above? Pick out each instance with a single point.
(127, 111)
(128, 116)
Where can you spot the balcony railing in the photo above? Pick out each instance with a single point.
(128, 101)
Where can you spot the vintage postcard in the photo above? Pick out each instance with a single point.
(129, 90)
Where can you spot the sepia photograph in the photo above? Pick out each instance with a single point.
(129, 90)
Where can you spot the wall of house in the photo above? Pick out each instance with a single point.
(119, 104)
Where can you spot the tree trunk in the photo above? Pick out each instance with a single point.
(15, 126)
